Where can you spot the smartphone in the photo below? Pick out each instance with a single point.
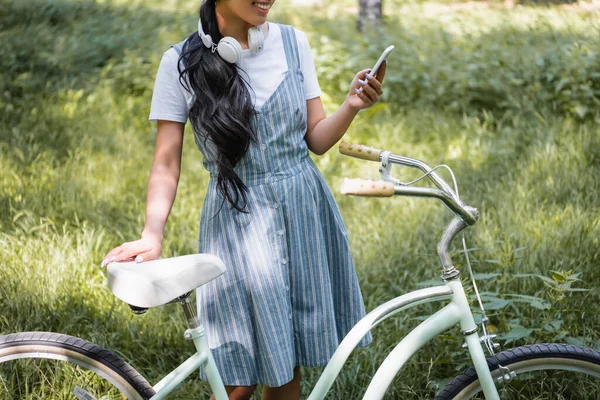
(384, 55)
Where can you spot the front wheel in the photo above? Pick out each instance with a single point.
(44, 365)
(543, 371)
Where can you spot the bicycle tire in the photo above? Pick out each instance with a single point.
(530, 362)
(46, 365)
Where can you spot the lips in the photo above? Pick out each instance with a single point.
(263, 7)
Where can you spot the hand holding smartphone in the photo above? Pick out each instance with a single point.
(381, 59)
(373, 88)
(379, 62)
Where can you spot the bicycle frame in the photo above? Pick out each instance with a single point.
(456, 312)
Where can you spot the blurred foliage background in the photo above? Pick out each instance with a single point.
(507, 94)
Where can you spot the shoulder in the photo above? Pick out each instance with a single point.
(170, 57)
(168, 74)
(167, 68)
(303, 45)
(178, 47)
(302, 40)
(300, 35)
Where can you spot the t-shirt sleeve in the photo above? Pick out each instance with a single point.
(307, 65)
(169, 98)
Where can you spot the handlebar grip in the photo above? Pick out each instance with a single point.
(363, 187)
(360, 151)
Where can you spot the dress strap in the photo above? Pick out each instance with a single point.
(290, 45)
(179, 46)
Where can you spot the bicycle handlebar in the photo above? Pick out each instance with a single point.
(360, 151)
(359, 187)
(367, 188)
(373, 154)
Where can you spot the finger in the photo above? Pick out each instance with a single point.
(131, 251)
(114, 252)
(374, 83)
(365, 99)
(110, 257)
(147, 256)
(381, 73)
(368, 94)
(370, 91)
(127, 256)
(111, 260)
(360, 76)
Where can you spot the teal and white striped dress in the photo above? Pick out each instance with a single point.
(290, 292)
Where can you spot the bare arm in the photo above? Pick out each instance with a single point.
(164, 177)
(324, 132)
(162, 187)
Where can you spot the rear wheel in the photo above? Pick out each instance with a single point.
(44, 365)
(543, 371)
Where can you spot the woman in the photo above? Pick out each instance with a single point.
(290, 293)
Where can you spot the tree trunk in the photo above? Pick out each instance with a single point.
(369, 14)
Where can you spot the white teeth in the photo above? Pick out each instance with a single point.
(263, 6)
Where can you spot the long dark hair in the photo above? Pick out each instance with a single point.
(223, 111)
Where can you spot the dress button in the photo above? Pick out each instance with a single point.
(280, 232)
(290, 315)
(284, 261)
(276, 206)
(287, 288)
(263, 146)
(269, 175)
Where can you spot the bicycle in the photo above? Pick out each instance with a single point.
(36, 364)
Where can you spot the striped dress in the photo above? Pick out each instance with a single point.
(290, 292)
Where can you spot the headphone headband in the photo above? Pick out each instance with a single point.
(206, 39)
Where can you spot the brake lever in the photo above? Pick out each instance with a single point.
(386, 169)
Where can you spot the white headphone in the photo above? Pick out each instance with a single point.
(230, 49)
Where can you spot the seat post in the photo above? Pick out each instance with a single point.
(190, 313)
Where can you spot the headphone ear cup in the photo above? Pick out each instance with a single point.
(206, 40)
(256, 39)
(230, 50)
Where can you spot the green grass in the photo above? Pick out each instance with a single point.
(507, 97)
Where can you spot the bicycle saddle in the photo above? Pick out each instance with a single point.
(154, 283)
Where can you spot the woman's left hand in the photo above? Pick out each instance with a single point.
(365, 89)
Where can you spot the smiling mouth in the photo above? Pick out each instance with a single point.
(263, 6)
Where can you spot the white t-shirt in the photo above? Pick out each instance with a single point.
(264, 71)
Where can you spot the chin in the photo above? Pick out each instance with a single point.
(257, 21)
